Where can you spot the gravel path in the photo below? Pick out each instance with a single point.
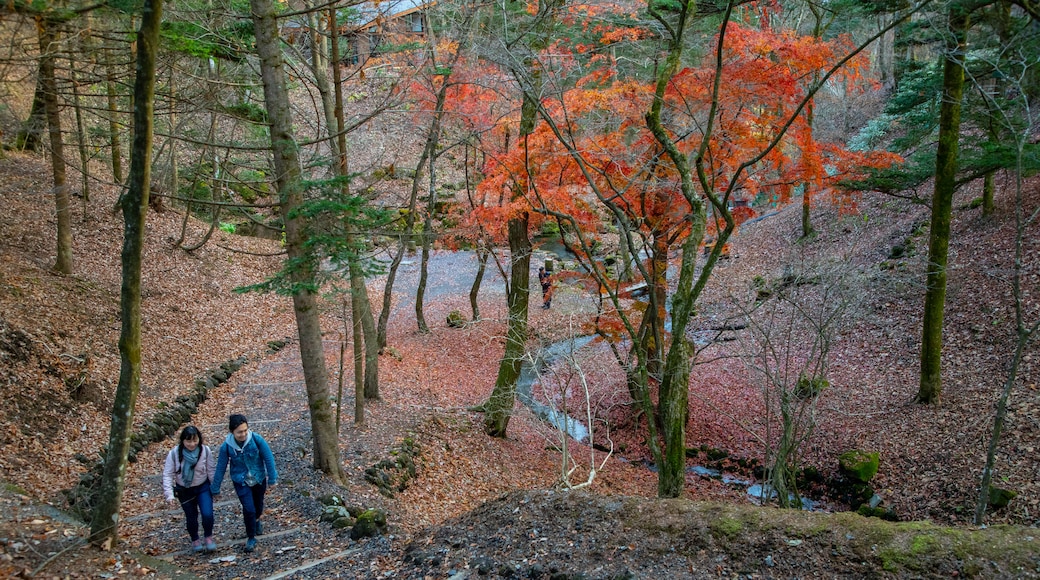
(295, 544)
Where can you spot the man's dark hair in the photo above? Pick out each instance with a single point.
(236, 420)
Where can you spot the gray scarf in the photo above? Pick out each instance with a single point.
(191, 458)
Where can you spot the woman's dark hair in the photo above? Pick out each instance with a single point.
(235, 421)
(189, 432)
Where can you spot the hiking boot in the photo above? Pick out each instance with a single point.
(196, 546)
(259, 527)
(211, 544)
(250, 544)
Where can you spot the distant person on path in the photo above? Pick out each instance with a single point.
(545, 279)
(189, 469)
(252, 471)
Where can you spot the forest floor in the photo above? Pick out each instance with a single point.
(482, 507)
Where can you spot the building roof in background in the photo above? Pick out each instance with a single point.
(368, 14)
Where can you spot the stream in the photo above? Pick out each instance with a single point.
(453, 272)
(529, 372)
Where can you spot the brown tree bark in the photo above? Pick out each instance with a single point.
(499, 406)
(113, 114)
(105, 521)
(290, 192)
(930, 387)
(28, 138)
(48, 39)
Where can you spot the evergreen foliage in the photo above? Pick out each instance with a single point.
(995, 70)
(328, 247)
(233, 43)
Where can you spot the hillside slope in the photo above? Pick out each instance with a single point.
(58, 335)
(59, 364)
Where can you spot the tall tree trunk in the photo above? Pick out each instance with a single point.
(402, 243)
(28, 138)
(169, 176)
(213, 73)
(675, 384)
(674, 392)
(886, 56)
(483, 250)
(807, 192)
(424, 260)
(359, 356)
(987, 194)
(499, 407)
(358, 287)
(388, 289)
(625, 252)
(652, 327)
(430, 154)
(290, 192)
(359, 295)
(113, 114)
(105, 521)
(81, 139)
(474, 290)
(942, 207)
(47, 39)
(1001, 16)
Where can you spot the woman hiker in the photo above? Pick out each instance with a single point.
(252, 472)
(187, 474)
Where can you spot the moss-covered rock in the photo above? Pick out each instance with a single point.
(395, 474)
(343, 522)
(999, 497)
(331, 500)
(859, 465)
(332, 513)
(887, 514)
(455, 319)
(369, 524)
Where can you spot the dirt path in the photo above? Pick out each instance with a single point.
(271, 394)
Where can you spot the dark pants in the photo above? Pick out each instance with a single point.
(252, 500)
(194, 501)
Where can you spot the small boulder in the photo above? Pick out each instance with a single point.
(999, 497)
(333, 513)
(343, 523)
(369, 524)
(859, 465)
(887, 514)
(455, 319)
(331, 499)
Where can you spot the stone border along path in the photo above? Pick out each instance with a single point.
(272, 396)
(165, 423)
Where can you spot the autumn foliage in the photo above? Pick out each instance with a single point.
(595, 151)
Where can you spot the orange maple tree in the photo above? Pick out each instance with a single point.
(668, 162)
(595, 154)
